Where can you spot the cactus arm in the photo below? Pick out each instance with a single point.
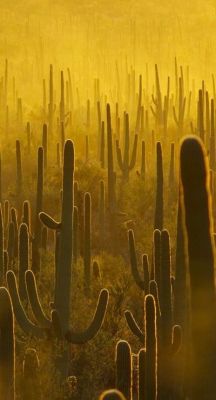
(133, 261)
(176, 339)
(134, 327)
(95, 325)
(134, 153)
(119, 155)
(48, 221)
(112, 395)
(34, 300)
(25, 324)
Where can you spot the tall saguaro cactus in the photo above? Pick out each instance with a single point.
(125, 164)
(124, 369)
(39, 204)
(51, 102)
(7, 347)
(158, 222)
(87, 242)
(150, 348)
(111, 172)
(198, 222)
(65, 255)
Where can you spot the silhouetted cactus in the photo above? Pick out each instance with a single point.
(124, 369)
(158, 220)
(10, 244)
(143, 161)
(141, 376)
(179, 115)
(142, 282)
(15, 223)
(102, 146)
(26, 214)
(212, 138)
(45, 144)
(165, 295)
(23, 259)
(172, 167)
(111, 173)
(7, 347)
(157, 257)
(19, 176)
(87, 242)
(36, 243)
(51, 102)
(2, 269)
(150, 348)
(180, 298)
(124, 162)
(60, 315)
(75, 234)
(31, 385)
(198, 222)
(102, 213)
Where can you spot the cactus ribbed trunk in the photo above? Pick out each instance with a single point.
(198, 222)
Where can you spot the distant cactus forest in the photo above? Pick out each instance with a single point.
(107, 200)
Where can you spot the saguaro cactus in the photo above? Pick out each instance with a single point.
(1, 247)
(141, 281)
(19, 179)
(45, 144)
(198, 222)
(7, 347)
(124, 369)
(150, 348)
(31, 386)
(23, 264)
(158, 222)
(39, 204)
(124, 162)
(51, 102)
(111, 173)
(58, 324)
(87, 242)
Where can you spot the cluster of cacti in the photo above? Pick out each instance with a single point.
(133, 210)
